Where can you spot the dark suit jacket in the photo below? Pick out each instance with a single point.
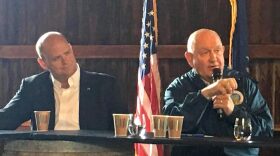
(99, 98)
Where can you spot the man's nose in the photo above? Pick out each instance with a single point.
(63, 59)
(213, 55)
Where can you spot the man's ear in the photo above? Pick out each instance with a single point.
(42, 63)
(189, 58)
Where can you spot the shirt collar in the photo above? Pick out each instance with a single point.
(195, 73)
(73, 80)
(206, 82)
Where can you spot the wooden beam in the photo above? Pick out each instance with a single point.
(277, 127)
(131, 51)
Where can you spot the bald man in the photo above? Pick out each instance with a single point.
(194, 96)
(77, 99)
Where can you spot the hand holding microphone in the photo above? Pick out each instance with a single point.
(220, 91)
(217, 75)
(224, 104)
(219, 85)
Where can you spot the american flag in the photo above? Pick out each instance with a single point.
(148, 91)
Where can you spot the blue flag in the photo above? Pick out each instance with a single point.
(240, 58)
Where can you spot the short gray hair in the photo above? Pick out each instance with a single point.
(42, 39)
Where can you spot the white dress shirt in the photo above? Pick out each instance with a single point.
(67, 103)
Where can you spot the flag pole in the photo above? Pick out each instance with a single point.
(155, 20)
(233, 21)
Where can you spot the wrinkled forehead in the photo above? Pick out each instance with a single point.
(207, 40)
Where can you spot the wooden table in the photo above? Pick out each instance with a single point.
(105, 138)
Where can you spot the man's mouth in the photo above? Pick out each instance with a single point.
(212, 67)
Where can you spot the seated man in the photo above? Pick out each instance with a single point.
(196, 97)
(77, 99)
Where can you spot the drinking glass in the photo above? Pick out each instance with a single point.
(121, 124)
(42, 120)
(247, 129)
(133, 129)
(242, 129)
(159, 125)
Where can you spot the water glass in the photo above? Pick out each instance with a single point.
(242, 129)
(133, 129)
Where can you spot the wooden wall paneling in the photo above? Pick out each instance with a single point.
(264, 71)
(271, 51)
(24, 21)
(39, 17)
(92, 21)
(82, 21)
(110, 22)
(275, 20)
(130, 81)
(11, 73)
(119, 21)
(169, 70)
(264, 23)
(125, 70)
(265, 67)
(276, 78)
(257, 21)
(130, 16)
(177, 19)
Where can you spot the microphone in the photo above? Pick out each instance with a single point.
(217, 75)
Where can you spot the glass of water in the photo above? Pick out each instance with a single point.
(133, 129)
(238, 133)
(242, 129)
